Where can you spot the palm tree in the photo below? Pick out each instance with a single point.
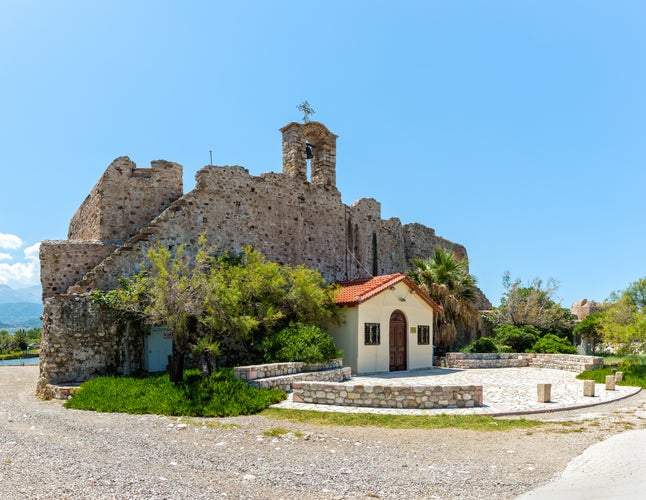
(448, 282)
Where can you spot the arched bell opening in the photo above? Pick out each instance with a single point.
(310, 142)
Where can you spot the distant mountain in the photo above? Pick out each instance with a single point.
(22, 314)
(20, 307)
(30, 294)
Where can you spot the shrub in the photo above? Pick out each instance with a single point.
(483, 344)
(220, 395)
(552, 344)
(299, 342)
(517, 338)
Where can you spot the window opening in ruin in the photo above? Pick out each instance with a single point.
(375, 266)
(309, 157)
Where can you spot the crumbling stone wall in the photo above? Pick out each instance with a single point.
(584, 308)
(63, 263)
(80, 340)
(125, 200)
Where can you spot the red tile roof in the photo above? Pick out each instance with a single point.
(353, 292)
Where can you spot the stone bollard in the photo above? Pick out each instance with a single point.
(544, 393)
(619, 376)
(610, 382)
(588, 388)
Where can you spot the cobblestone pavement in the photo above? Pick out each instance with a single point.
(506, 391)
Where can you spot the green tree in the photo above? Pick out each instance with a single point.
(174, 297)
(552, 344)
(448, 282)
(20, 340)
(251, 298)
(6, 340)
(590, 329)
(483, 344)
(169, 291)
(517, 338)
(532, 304)
(206, 297)
(624, 318)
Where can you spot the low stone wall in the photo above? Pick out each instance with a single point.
(286, 382)
(567, 362)
(486, 360)
(63, 392)
(284, 375)
(388, 396)
(255, 372)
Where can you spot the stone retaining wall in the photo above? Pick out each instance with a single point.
(284, 375)
(387, 396)
(255, 372)
(286, 382)
(567, 362)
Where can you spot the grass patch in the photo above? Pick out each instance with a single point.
(275, 432)
(470, 422)
(208, 423)
(220, 395)
(633, 368)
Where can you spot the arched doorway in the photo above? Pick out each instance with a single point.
(397, 341)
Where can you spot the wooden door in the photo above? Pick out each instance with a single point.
(397, 341)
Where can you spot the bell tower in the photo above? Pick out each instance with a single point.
(310, 141)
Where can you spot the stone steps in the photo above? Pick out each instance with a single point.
(283, 375)
(285, 382)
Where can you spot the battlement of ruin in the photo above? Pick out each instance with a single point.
(125, 200)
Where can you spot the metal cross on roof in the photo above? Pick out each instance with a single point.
(307, 110)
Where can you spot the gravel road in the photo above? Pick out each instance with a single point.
(47, 451)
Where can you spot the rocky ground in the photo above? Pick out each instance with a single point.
(47, 451)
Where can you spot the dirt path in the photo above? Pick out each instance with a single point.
(47, 451)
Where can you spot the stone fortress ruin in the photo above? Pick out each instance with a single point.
(286, 216)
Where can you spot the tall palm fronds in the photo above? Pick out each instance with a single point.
(448, 282)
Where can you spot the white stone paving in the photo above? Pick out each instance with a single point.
(505, 391)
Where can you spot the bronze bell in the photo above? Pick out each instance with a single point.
(308, 151)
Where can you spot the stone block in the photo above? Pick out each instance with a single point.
(544, 392)
(619, 376)
(610, 382)
(588, 388)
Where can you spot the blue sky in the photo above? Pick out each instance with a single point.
(514, 128)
